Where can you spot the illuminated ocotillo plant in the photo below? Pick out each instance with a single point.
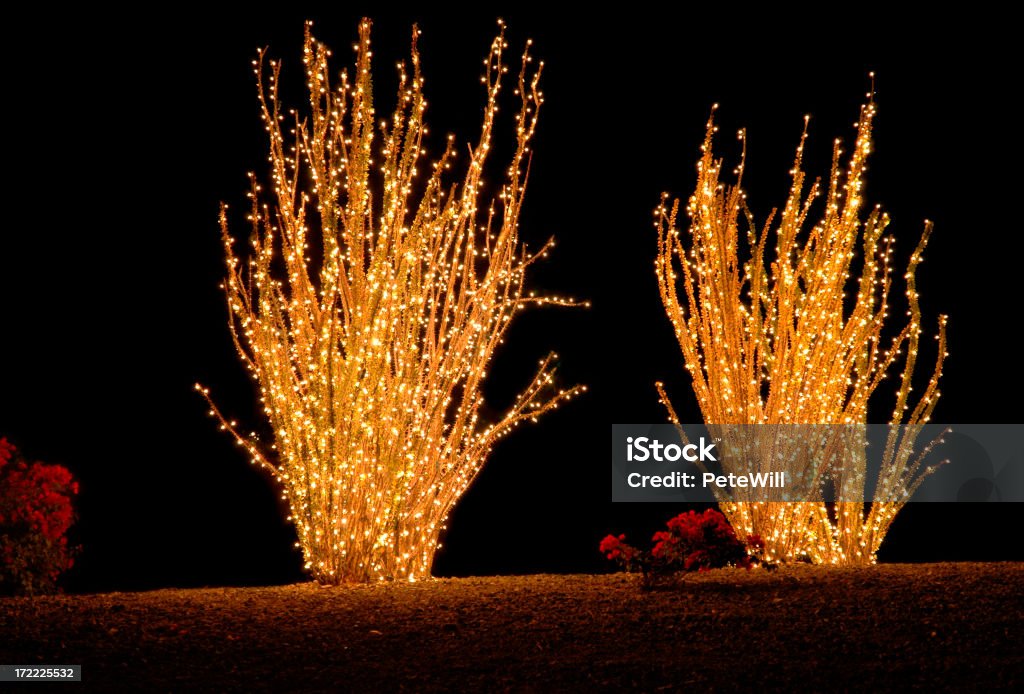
(782, 342)
(374, 297)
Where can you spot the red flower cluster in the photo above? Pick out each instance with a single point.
(616, 548)
(35, 515)
(699, 541)
(693, 542)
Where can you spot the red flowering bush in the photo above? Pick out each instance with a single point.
(693, 542)
(35, 514)
(616, 549)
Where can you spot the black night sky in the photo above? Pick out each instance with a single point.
(125, 133)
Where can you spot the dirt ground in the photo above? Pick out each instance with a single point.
(945, 626)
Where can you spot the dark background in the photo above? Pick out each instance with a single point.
(127, 131)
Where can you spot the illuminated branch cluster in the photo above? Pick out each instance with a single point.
(784, 342)
(372, 301)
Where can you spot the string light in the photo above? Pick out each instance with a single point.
(785, 343)
(373, 298)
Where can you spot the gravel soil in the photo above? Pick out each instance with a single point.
(933, 626)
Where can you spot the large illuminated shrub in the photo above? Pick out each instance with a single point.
(372, 297)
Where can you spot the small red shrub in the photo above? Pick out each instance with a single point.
(618, 550)
(693, 542)
(35, 515)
